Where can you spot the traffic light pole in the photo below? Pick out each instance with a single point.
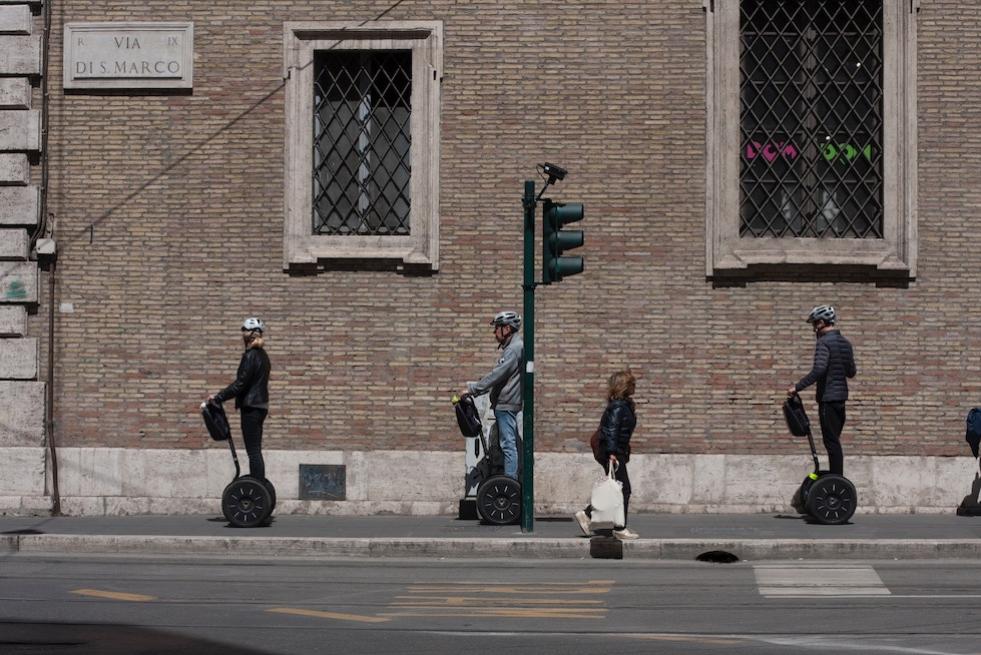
(528, 374)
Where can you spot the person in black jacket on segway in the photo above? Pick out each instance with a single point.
(834, 362)
(251, 393)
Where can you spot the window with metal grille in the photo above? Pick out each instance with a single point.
(811, 117)
(361, 144)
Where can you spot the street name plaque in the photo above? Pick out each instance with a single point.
(129, 55)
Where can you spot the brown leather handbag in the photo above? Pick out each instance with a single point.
(596, 443)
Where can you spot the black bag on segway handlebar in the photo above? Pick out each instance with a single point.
(216, 421)
(797, 421)
(467, 416)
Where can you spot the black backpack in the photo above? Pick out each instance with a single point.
(467, 417)
(216, 421)
(797, 421)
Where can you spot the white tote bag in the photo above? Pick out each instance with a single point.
(607, 501)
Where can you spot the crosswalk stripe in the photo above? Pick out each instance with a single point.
(801, 580)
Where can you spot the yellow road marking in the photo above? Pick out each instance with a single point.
(113, 595)
(687, 638)
(340, 616)
(509, 600)
(557, 585)
(473, 600)
(512, 589)
(511, 612)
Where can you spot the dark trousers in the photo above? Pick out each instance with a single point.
(252, 420)
(832, 422)
(619, 473)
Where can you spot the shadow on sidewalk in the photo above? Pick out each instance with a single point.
(106, 639)
(31, 530)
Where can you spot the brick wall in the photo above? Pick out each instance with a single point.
(169, 216)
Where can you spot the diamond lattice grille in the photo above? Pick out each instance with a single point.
(811, 118)
(362, 138)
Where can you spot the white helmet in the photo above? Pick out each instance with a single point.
(824, 313)
(507, 318)
(252, 324)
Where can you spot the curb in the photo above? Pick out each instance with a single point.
(470, 548)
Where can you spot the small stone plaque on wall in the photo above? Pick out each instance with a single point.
(323, 482)
(129, 55)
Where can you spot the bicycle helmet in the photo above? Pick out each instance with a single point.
(253, 324)
(824, 313)
(507, 318)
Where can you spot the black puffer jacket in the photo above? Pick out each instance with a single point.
(251, 385)
(834, 361)
(617, 426)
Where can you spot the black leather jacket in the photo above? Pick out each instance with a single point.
(617, 426)
(251, 386)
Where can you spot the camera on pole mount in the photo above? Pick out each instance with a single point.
(554, 172)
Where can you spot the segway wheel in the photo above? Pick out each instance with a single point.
(832, 500)
(246, 502)
(499, 500)
(272, 494)
(800, 496)
(270, 488)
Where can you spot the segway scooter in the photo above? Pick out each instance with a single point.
(247, 501)
(498, 495)
(827, 497)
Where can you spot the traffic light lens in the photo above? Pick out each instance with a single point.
(567, 266)
(569, 212)
(567, 239)
(556, 241)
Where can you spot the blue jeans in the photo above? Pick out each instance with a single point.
(507, 430)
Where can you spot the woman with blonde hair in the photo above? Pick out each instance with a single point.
(616, 428)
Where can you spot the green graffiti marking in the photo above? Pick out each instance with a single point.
(846, 150)
(15, 290)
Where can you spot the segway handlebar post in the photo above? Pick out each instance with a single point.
(814, 455)
(238, 469)
(810, 441)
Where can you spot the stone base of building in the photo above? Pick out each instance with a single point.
(118, 481)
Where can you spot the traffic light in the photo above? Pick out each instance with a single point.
(556, 241)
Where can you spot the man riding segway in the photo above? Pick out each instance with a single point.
(828, 496)
(499, 496)
(834, 361)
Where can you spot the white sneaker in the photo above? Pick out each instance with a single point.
(584, 522)
(626, 534)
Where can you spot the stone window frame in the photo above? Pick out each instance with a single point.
(420, 248)
(727, 253)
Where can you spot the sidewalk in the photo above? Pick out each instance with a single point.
(663, 536)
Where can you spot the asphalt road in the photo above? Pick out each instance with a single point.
(111, 605)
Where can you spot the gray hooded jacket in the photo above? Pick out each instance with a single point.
(504, 382)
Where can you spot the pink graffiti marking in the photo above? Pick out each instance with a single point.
(770, 151)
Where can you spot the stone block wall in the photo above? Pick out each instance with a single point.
(22, 452)
(169, 481)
